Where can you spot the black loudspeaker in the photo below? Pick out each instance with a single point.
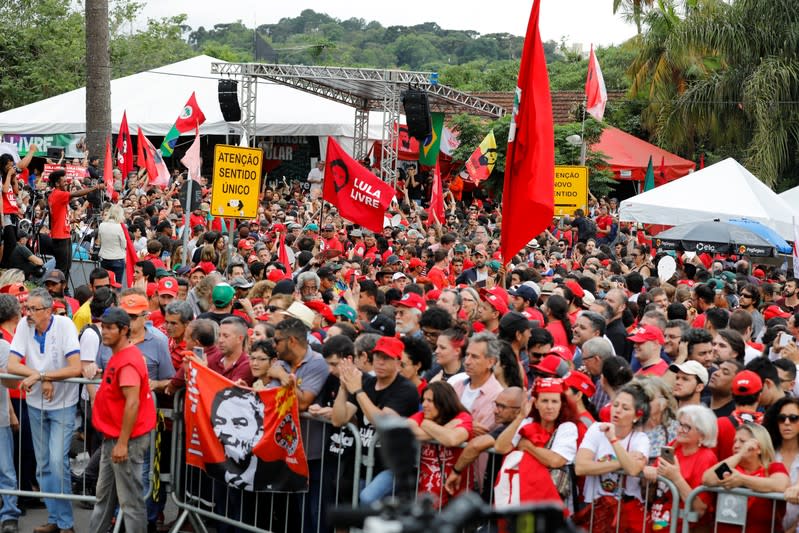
(229, 100)
(417, 113)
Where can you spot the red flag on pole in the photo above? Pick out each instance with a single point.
(108, 169)
(130, 257)
(596, 95)
(124, 148)
(435, 213)
(157, 173)
(141, 157)
(528, 191)
(360, 196)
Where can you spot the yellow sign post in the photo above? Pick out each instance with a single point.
(237, 181)
(571, 189)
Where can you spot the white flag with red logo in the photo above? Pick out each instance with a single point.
(596, 96)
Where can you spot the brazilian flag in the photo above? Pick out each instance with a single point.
(428, 152)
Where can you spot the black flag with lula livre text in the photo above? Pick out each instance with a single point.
(360, 196)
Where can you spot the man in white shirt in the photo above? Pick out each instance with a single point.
(49, 345)
(315, 177)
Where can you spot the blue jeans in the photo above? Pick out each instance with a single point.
(52, 435)
(381, 486)
(117, 266)
(8, 475)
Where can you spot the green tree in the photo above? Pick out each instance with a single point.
(633, 10)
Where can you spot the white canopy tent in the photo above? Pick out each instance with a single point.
(791, 196)
(154, 98)
(725, 190)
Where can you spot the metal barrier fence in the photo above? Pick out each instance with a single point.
(80, 446)
(732, 508)
(334, 462)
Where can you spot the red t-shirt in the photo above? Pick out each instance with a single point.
(558, 333)
(658, 369)
(692, 468)
(438, 278)
(10, 206)
(726, 431)
(59, 214)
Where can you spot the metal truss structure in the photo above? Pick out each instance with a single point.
(361, 88)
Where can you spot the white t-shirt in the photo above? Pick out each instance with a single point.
(607, 484)
(59, 342)
(564, 442)
(468, 396)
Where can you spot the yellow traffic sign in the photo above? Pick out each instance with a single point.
(237, 181)
(571, 189)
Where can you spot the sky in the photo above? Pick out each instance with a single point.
(579, 21)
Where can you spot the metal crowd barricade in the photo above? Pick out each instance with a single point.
(732, 507)
(80, 491)
(199, 496)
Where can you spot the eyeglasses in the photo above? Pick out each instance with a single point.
(685, 427)
(504, 406)
(34, 309)
(744, 295)
(279, 339)
(786, 418)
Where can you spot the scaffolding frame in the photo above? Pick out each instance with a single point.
(363, 89)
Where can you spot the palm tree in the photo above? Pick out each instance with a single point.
(749, 99)
(633, 10)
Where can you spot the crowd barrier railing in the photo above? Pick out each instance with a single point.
(83, 451)
(732, 508)
(334, 461)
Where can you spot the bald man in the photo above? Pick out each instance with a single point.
(506, 407)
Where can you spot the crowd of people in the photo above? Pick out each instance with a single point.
(590, 373)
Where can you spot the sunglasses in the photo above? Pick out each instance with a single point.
(785, 418)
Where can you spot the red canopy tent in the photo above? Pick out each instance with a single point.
(629, 156)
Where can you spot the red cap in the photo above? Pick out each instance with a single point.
(706, 259)
(496, 301)
(412, 300)
(552, 365)
(352, 272)
(168, 285)
(746, 383)
(207, 266)
(323, 309)
(759, 273)
(563, 352)
(59, 305)
(647, 332)
(432, 295)
(113, 280)
(548, 385)
(575, 288)
(391, 346)
(581, 382)
(774, 311)
(245, 244)
(415, 263)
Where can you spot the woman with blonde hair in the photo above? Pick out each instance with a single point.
(470, 304)
(661, 428)
(113, 245)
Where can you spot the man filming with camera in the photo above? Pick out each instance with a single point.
(59, 217)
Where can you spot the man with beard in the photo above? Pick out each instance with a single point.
(721, 400)
(55, 283)
(675, 329)
(450, 301)
(790, 296)
(409, 311)
(479, 272)
(125, 414)
(167, 291)
(689, 382)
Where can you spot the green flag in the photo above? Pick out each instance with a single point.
(428, 152)
(649, 181)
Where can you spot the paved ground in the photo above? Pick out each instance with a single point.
(37, 517)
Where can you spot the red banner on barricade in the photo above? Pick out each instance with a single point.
(247, 439)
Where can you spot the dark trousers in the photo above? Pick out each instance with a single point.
(117, 266)
(62, 252)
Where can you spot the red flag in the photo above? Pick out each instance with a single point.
(108, 169)
(435, 213)
(361, 197)
(701, 161)
(282, 254)
(124, 147)
(141, 157)
(247, 439)
(596, 96)
(157, 173)
(191, 118)
(528, 191)
(130, 258)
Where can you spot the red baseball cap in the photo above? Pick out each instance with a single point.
(412, 300)
(774, 311)
(581, 382)
(647, 332)
(496, 301)
(563, 352)
(552, 366)
(746, 383)
(168, 285)
(575, 288)
(113, 280)
(415, 262)
(323, 309)
(759, 273)
(390, 346)
(543, 385)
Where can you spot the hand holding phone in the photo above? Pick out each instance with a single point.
(721, 470)
(667, 453)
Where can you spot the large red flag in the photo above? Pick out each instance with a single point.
(130, 257)
(157, 173)
(528, 191)
(108, 169)
(124, 147)
(244, 438)
(596, 95)
(361, 197)
(435, 213)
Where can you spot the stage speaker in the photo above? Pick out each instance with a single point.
(417, 113)
(229, 100)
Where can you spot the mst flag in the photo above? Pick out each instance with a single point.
(191, 117)
(245, 438)
(528, 194)
(360, 196)
(157, 173)
(596, 96)
(481, 162)
(428, 153)
(124, 148)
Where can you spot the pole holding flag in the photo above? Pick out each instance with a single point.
(193, 163)
(528, 195)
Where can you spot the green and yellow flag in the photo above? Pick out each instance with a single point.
(428, 152)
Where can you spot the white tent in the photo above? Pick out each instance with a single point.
(153, 100)
(725, 190)
(791, 196)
